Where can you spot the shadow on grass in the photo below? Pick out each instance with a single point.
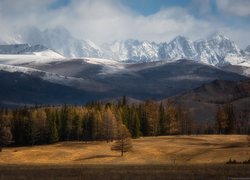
(235, 145)
(97, 157)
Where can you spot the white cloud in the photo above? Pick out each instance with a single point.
(108, 20)
(238, 8)
(203, 7)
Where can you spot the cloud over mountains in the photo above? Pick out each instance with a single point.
(108, 20)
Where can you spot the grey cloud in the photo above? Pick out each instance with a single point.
(235, 7)
(202, 7)
(107, 20)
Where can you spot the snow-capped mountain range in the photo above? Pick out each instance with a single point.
(214, 50)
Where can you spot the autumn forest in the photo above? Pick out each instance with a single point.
(101, 121)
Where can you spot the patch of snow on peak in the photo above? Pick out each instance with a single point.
(49, 53)
(108, 66)
(39, 57)
(101, 61)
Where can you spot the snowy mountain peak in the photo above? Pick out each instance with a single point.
(180, 39)
(60, 40)
(222, 42)
(247, 53)
(180, 47)
(214, 50)
(132, 50)
(247, 49)
(217, 36)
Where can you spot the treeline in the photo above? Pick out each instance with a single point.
(100, 121)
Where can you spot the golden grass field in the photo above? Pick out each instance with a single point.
(163, 157)
(201, 149)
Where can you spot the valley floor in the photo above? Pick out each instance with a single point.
(201, 149)
(151, 157)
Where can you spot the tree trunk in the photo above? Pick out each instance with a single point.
(122, 147)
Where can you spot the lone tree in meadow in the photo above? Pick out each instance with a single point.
(123, 142)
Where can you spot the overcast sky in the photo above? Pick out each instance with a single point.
(153, 20)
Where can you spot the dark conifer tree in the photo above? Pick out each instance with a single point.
(231, 121)
(65, 128)
(162, 120)
(152, 118)
(52, 128)
(87, 126)
(135, 130)
(76, 128)
(5, 132)
(143, 119)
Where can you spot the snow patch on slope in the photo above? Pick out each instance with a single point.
(109, 66)
(38, 57)
(51, 77)
(49, 54)
(80, 83)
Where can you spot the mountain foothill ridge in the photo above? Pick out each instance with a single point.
(81, 71)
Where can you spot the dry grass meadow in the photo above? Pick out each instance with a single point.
(164, 156)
